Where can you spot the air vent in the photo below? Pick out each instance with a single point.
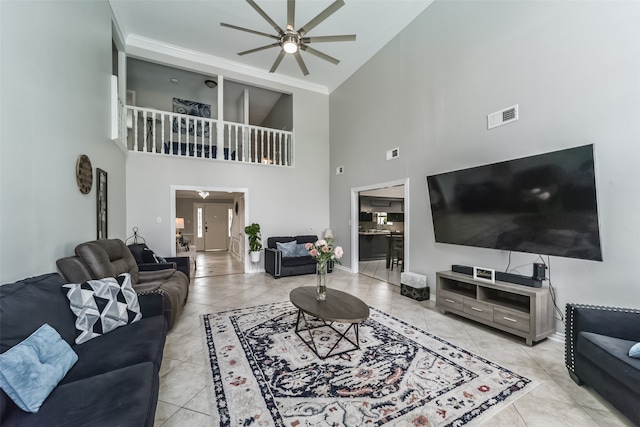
(339, 170)
(503, 117)
(394, 153)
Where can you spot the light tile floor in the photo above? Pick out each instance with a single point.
(183, 398)
(378, 270)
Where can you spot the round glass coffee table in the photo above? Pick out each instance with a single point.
(339, 307)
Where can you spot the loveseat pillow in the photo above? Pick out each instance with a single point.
(30, 370)
(301, 250)
(634, 351)
(102, 305)
(288, 249)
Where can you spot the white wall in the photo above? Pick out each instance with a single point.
(573, 69)
(284, 201)
(55, 71)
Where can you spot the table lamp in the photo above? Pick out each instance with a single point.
(179, 225)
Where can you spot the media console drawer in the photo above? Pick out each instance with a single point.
(450, 299)
(512, 319)
(478, 308)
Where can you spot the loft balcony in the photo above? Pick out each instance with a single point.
(171, 134)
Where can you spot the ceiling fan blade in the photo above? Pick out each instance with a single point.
(291, 14)
(266, 17)
(320, 17)
(320, 54)
(247, 30)
(258, 49)
(324, 39)
(278, 61)
(301, 64)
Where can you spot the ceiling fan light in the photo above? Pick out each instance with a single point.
(290, 44)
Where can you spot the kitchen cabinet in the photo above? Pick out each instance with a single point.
(366, 216)
(381, 204)
(395, 217)
(373, 246)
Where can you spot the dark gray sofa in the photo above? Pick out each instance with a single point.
(597, 343)
(111, 257)
(280, 266)
(115, 381)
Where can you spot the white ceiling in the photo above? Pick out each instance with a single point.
(194, 27)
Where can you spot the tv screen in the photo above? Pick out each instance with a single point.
(543, 204)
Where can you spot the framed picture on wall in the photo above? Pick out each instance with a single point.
(191, 108)
(101, 203)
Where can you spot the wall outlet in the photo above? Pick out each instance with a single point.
(339, 170)
(159, 219)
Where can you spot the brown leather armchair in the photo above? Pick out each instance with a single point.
(110, 258)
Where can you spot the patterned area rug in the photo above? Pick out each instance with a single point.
(263, 374)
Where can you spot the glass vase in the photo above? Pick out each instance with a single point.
(321, 285)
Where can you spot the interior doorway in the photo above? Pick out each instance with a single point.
(212, 219)
(380, 242)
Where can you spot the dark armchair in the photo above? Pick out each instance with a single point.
(147, 260)
(597, 341)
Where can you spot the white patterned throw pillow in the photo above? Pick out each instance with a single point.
(102, 305)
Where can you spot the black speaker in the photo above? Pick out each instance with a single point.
(518, 279)
(463, 269)
(539, 272)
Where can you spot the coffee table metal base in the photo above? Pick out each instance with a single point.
(311, 343)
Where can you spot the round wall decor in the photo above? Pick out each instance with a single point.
(84, 174)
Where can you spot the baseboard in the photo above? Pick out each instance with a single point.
(342, 267)
(557, 337)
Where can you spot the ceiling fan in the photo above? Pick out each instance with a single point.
(291, 40)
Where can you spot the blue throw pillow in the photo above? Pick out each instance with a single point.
(288, 249)
(635, 351)
(301, 250)
(30, 370)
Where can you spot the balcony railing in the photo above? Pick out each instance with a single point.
(173, 134)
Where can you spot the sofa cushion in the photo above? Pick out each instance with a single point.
(299, 260)
(138, 342)
(28, 304)
(288, 249)
(143, 254)
(31, 369)
(307, 238)
(273, 241)
(611, 354)
(102, 305)
(108, 258)
(124, 397)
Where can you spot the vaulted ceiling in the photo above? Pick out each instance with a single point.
(194, 27)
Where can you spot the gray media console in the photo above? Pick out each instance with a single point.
(520, 310)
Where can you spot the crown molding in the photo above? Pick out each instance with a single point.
(146, 48)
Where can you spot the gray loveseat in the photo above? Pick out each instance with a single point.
(110, 258)
(278, 264)
(597, 343)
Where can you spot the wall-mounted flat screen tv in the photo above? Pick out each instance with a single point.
(544, 204)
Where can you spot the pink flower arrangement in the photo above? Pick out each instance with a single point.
(324, 251)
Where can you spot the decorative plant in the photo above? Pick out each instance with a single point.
(253, 231)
